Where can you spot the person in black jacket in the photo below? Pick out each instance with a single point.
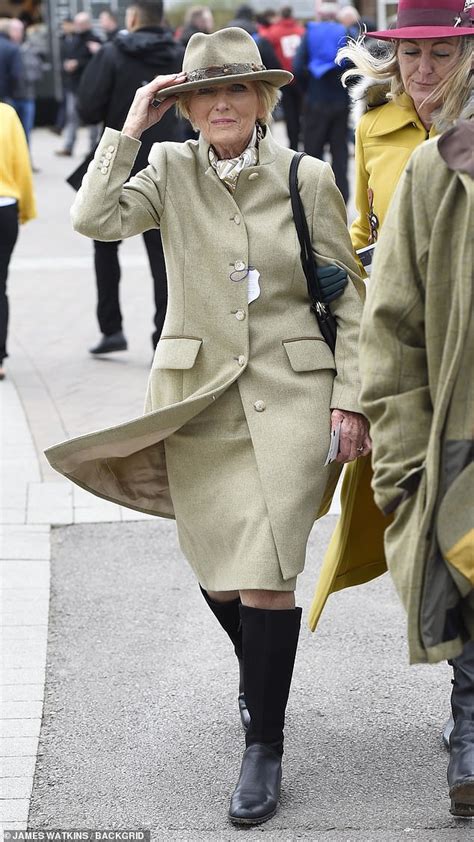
(245, 18)
(105, 95)
(76, 55)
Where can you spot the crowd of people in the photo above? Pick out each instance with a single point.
(249, 385)
(308, 50)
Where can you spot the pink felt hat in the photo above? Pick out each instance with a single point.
(430, 19)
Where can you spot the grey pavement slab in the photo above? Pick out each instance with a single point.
(21, 767)
(21, 677)
(30, 693)
(140, 724)
(24, 542)
(16, 709)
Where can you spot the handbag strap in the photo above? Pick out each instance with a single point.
(306, 248)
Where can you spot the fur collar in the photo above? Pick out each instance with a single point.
(366, 94)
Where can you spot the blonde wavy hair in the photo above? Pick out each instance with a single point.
(453, 92)
(268, 97)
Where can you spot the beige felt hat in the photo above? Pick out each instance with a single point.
(229, 54)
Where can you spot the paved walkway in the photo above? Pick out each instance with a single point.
(55, 390)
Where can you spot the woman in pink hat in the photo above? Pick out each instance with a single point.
(419, 82)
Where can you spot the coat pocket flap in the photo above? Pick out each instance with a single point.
(176, 352)
(309, 354)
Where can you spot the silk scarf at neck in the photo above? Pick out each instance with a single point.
(229, 169)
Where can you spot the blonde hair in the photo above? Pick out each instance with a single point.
(268, 97)
(453, 92)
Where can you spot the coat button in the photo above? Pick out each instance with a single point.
(259, 406)
(253, 176)
(111, 149)
(237, 219)
(241, 360)
(239, 265)
(104, 170)
(240, 315)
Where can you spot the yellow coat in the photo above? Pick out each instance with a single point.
(386, 136)
(16, 179)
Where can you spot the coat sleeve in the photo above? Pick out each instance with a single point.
(95, 88)
(395, 392)
(300, 63)
(21, 171)
(108, 207)
(332, 244)
(360, 230)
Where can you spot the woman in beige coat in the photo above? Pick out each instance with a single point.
(243, 389)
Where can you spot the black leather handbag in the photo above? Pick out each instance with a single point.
(326, 320)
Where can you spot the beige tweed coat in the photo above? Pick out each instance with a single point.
(212, 338)
(417, 363)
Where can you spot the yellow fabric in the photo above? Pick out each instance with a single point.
(461, 556)
(355, 554)
(385, 138)
(16, 179)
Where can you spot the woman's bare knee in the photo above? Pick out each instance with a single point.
(272, 600)
(222, 596)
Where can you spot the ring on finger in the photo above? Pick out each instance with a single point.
(360, 450)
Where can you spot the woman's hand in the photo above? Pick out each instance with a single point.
(354, 439)
(142, 113)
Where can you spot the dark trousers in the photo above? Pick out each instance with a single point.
(8, 238)
(326, 123)
(107, 270)
(291, 101)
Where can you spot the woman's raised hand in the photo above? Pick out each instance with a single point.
(142, 113)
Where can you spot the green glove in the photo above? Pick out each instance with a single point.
(333, 281)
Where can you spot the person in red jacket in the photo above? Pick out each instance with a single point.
(285, 36)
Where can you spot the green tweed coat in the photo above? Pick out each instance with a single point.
(417, 364)
(288, 377)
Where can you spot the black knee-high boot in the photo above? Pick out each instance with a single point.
(461, 742)
(463, 672)
(228, 615)
(270, 639)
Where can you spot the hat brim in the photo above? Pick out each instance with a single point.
(416, 33)
(277, 78)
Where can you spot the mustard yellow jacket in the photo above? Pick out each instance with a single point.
(16, 179)
(386, 136)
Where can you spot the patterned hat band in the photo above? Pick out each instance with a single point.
(223, 70)
(433, 17)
